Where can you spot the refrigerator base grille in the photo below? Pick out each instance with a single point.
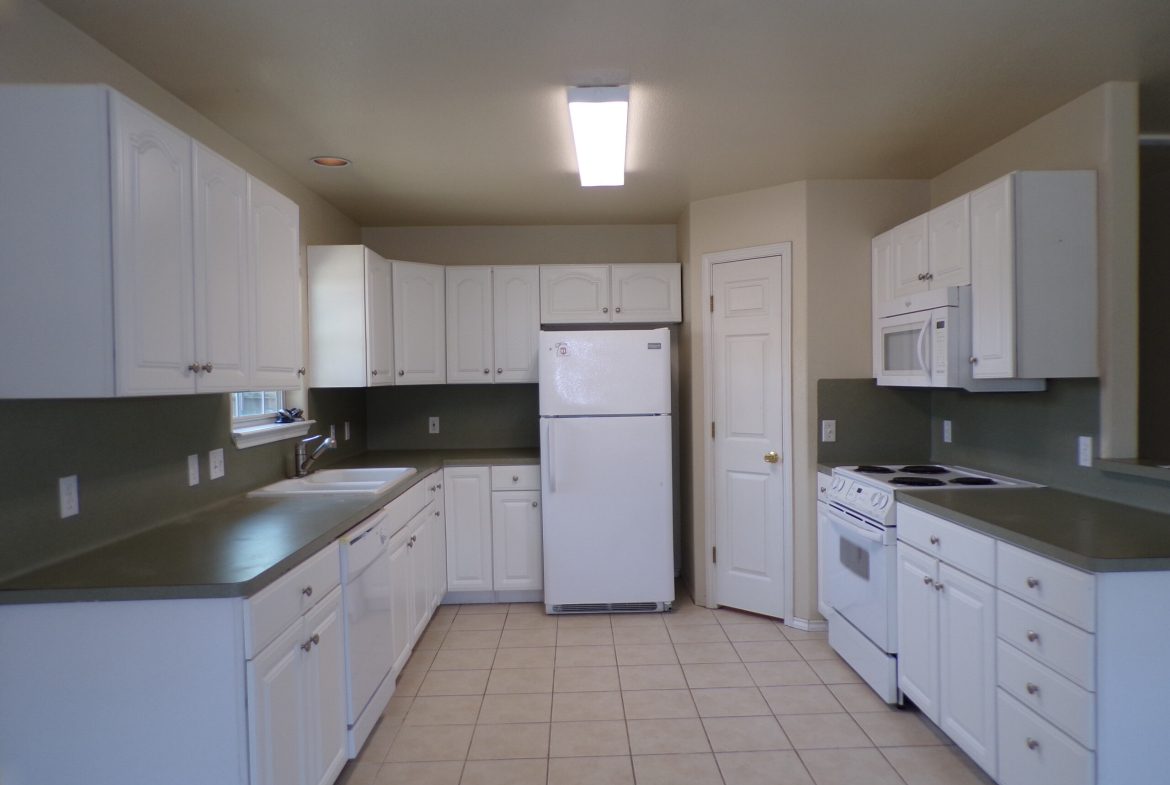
(609, 607)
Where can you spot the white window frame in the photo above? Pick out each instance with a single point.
(252, 430)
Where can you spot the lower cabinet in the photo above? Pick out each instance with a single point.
(517, 556)
(296, 700)
(946, 650)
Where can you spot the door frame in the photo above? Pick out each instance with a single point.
(784, 251)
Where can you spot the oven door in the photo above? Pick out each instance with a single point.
(861, 576)
(901, 350)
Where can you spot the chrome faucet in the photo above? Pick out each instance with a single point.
(304, 460)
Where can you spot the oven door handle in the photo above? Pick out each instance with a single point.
(843, 522)
(922, 358)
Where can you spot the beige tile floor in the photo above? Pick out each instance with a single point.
(505, 695)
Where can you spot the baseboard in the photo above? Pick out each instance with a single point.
(808, 625)
(482, 597)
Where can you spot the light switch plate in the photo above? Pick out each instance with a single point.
(947, 431)
(215, 464)
(67, 491)
(192, 469)
(828, 430)
(1085, 451)
(433, 425)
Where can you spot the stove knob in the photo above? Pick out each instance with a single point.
(876, 499)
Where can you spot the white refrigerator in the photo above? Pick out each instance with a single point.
(605, 455)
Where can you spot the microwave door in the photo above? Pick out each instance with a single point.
(900, 350)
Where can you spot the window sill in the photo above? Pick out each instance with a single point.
(1136, 467)
(255, 435)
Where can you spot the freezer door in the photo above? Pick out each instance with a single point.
(599, 372)
(607, 516)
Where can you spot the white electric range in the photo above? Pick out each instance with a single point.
(861, 565)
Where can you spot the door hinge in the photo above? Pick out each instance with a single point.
(713, 559)
(712, 303)
(712, 429)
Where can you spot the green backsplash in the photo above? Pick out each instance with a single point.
(874, 424)
(470, 416)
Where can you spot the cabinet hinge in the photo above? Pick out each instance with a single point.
(712, 303)
(713, 559)
(712, 429)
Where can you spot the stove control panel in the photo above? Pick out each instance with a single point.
(863, 498)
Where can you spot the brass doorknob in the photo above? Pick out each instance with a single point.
(771, 457)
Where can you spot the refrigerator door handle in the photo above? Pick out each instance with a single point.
(552, 456)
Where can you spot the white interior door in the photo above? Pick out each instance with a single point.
(748, 375)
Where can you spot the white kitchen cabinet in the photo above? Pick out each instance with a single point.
(592, 294)
(469, 325)
(401, 596)
(422, 592)
(493, 322)
(223, 284)
(946, 650)
(910, 259)
(438, 543)
(420, 345)
(296, 688)
(467, 502)
(931, 251)
(825, 544)
(948, 247)
(516, 322)
(351, 339)
(274, 237)
(517, 555)
(1034, 276)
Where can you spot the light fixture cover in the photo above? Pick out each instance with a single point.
(598, 116)
(331, 161)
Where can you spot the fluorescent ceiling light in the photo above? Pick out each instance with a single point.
(598, 116)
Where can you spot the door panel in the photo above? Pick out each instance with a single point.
(967, 664)
(516, 316)
(516, 540)
(469, 325)
(379, 323)
(276, 292)
(467, 497)
(747, 326)
(420, 324)
(993, 285)
(646, 293)
(910, 263)
(918, 629)
(574, 294)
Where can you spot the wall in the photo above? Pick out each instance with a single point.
(130, 454)
(874, 424)
(524, 244)
(1096, 131)
(470, 416)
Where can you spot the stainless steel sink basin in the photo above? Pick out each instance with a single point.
(366, 481)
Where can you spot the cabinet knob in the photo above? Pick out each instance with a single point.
(515, 478)
(1032, 688)
(436, 513)
(307, 645)
(208, 367)
(1033, 636)
(487, 370)
(921, 277)
(402, 373)
(605, 309)
(432, 489)
(307, 591)
(534, 504)
(373, 373)
(934, 540)
(499, 370)
(938, 586)
(618, 309)
(929, 276)
(413, 537)
(1033, 583)
(410, 543)
(1032, 743)
(301, 371)
(439, 485)
(972, 359)
(194, 367)
(927, 580)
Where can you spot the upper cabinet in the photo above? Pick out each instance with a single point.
(597, 294)
(1034, 276)
(493, 321)
(136, 261)
(420, 349)
(351, 338)
(931, 251)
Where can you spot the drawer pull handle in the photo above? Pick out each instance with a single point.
(1033, 636)
(934, 540)
(307, 591)
(1032, 688)
(927, 580)
(1033, 583)
(1032, 743)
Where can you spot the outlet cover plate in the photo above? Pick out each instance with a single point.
(828, 430)
(215, 464)
(947, 431)
(1085, 451)
(433, 425)
(67, 493)
(192, 470)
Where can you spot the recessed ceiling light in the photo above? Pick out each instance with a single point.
(598, 116)
(331, 161)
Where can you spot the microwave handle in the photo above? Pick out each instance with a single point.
(922, 356)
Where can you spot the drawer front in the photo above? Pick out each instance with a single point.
(1066, 649)
(401, 510)
(1060, 590)
(275, 607)
(1047, 693)
(1033, 752)
(515, 478)
(970, 551)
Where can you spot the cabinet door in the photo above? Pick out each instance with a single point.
(825, 552)
(516, 322)
(223, 327)
(918, 629)
(276, 710)
(967, 664)
(438, 553)
(882, 259)
(153, 278)
(909, 256)
(467, 501)
(325, 686)
(379, 322)
(420, 346)
(574, 294)
(401, 596)
(469, 325)
(274, 248)
(420, 567)
(949, 245)
(993, 285)
(517, 557)
(646, 292)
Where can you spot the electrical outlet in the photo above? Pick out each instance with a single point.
(347, 430)
(215, 464)
(67, 492)
(828, 430)
(333, 434)
(192, 470)
(1085, 451)
(433, 425)
(947, 431)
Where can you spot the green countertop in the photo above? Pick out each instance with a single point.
(1080, 531)
(235, 548)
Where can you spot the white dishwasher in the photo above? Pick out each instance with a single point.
(369, 647)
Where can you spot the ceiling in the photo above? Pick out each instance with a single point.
(453, 111)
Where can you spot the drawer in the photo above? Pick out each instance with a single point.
(1066, 649)
(276, 606)
(970, 551)
(515, 478)
(1033, 752)
(1063, 591)
(1047, 693)
(401, 510)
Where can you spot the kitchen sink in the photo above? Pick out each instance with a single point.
(366, 481)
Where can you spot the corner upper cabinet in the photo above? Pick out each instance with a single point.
(601, 294)
(351, 338)
(420, 346)
(1034, 276)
